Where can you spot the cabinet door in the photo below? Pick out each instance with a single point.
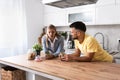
(105, 2)
(57, 19)
(55, 16)
(117, 14)
(84, 13)
(106, 14)
(118, 2)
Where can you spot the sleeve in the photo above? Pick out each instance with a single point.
(60, 47)
(45, 49)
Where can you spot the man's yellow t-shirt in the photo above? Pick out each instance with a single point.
(90, 44)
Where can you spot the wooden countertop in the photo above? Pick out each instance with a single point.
(66, 70)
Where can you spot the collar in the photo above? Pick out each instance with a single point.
(56, 38)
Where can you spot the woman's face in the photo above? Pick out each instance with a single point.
(51, 33)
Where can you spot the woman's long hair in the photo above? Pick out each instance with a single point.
(40, 37)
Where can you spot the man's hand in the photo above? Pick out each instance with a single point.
(67, 57)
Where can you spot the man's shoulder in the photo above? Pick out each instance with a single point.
(76, 41)
(89, 38)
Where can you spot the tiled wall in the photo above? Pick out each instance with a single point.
(111, 34)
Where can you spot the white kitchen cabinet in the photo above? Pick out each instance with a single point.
(57, 19)
(105, 2)
(106, 14)
(60, 17)
(85, 13)
(117, 14)
(118, 2)
(103, 12)
(55, 16)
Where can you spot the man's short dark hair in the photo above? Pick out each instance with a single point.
(78, 25)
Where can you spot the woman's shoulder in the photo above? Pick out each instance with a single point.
(44, 37)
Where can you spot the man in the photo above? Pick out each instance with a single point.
(86, 45)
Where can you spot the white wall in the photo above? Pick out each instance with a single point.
(34, 19)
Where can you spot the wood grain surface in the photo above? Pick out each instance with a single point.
(67, 70)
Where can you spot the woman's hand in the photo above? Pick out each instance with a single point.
(49, 56)
(61, 55)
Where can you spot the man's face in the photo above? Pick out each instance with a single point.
(74, 33)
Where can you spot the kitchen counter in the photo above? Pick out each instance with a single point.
(59, 70)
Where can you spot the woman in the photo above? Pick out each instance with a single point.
(52, 43)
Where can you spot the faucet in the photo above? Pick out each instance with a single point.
(98, 33)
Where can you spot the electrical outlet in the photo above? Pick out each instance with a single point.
(118, 47)
(118, 40)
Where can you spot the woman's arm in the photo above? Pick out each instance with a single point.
(45, 49)
(60, 47)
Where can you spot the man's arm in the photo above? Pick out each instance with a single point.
(77, 53)
(86, 58)
(77, 56)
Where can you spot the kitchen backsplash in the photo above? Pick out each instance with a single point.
(69, 43)
(110, 32)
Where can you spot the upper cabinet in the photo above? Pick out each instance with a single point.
(56, 19)
(55, 16)
(105, 2)
(118, 2)
(103, 12)
(64, 17)
(107, 12)
(81, 13)
(117, 10)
